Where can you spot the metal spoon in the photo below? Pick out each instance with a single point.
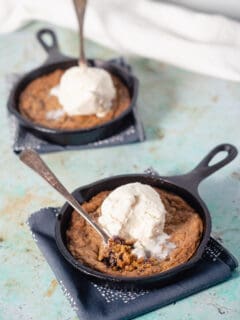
(34, 161)
(80, 6)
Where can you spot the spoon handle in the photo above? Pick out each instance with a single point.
(34, 161)
(80, 6)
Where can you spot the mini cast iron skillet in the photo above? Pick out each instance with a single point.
(56, 60)
(186, 186)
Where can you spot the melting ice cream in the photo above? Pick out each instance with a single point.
(85, 90)
(136, 211)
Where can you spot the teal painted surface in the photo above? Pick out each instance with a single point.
(184, 114)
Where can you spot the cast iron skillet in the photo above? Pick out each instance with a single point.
(185, 186)
(56, 60)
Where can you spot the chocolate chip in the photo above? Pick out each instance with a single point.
(119, 240)
(112, 259)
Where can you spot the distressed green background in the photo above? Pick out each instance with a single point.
(184, 114)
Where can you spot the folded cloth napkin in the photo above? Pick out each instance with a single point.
(94, 301)
(23, 139)
(205, 43)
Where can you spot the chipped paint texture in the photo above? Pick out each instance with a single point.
(185, 115)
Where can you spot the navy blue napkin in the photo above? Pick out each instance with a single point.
(23, 139)
(93, 301)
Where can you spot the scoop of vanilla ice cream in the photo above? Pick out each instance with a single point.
(85, 90)
(136, 211)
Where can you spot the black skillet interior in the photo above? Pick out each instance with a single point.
(185, 186)
(56, 60)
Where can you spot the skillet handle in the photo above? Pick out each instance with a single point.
(192, 179)
(52, 49)
(54, 43)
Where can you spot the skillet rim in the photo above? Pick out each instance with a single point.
(13, 107)
(142, 280)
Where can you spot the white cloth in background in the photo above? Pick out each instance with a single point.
(208, 44)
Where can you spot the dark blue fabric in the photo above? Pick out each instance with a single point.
(91, 301)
